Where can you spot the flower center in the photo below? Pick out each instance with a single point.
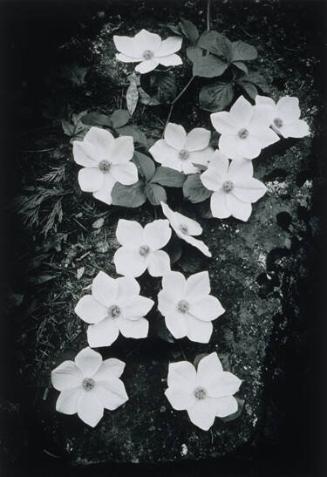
(200, 393)
(243, 133)
(183, 154)
(88, 384)
(183, 306)
(278, 122)
(228, 186)
(144, 250)
(148, 55)
(183, 229)
(104, 166)
(114, 311)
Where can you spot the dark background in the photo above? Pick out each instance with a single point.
(291, 438)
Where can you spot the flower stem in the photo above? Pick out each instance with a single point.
(208, 14)
(172, 104)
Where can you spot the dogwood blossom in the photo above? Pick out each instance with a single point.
(181, 151)
(285, 116)
(114, 306)
(149, 50)
(88, 385)
(188, 307)
(205, 393)
(105, 161)
(234, 188)
(141, 248)
(186, 228)
(244, 130)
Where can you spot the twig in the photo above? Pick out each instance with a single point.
(208, 14)
(172, 104)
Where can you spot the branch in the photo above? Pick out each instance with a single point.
(208, 15)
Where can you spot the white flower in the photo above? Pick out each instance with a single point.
(234, 186)
(105, 161)
(187, 306)
(285, 116)
(180, 151)
(185, 228)
(244, 130)
(204, 393)
(141, 248)
(114, 306)
(148, 50)
(89, 385)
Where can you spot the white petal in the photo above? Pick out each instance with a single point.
(90, 409)
(262, 117)
(169, 46)
(199, 244)
(127, 46)
(68, 400)
(90, 179)
(147, 66)
(197, 285)
(110, 368)
(104, 289)
(124, 173)
(173, 283)
(130, 233)
(193, 227)
(165, 155)
(204, 157)
(90, 310)
(209, 367)
(104, 194)
(146, 40)
(134, 328)
(249, 190)
(197, 139)
(127, 59)
(127, 287)
(182, 375)
(218, 205)
(203, 414)
(239, 209)
(240, 170)
(103, 333)
(175, 136)
(242, 111)
(226, 406)
(157, 234)
(288, 108)
(179, 399)
(264, 101)
(176, 324)
(223, 123)
(266, 136)
(199, 331)
(170, 60)
(111, 394)
(166, 302)
(225, 384)
(88, 361)
(207, 308)
(211, 178)
(229, 145)
(129, 262)
(122, 150)
(159, 263)
(296, 129)
(66, 376)
(84, 155)
(136, 306)
(101, 139)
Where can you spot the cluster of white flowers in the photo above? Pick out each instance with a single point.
(115, 306)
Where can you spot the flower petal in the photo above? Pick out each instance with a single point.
(127, 46)
(66, 376)
(197, 285)
(90, 310)
(296, 129)
(182, 375)
(110, 368)
(157, 234)
(124, 173)
(288, 108)
(104, 194)
(176, 324)
(84, 155)
(175, 136)
(264, 101)
(226, 406)
(67, 401)
(179, 399)
(101, 139)
(111, 394)
(204, 157)
(90, 409)
(198, 331)
(165, 154)
(266, 136)
(134, 307)
(197, 139)
(169, 46)
(130, 233)
(129, 262)
(229, 145)
(147, 66)
(146, 40)
(238, 209)
(211, 178)
(104, 289)
(173, 283)
(199, 244)
(223, 123)
(134, 328)
(242, 111)
(209, 367)
(226, 384)
(127, 287)
(159, 263)
(122, 150)
(240, 170)
(249, 190)
(170, 60)
(203, 414)
(90, 179)
(88, 361)
(103, 333)
(127, 59)
(207, 308)
(218, 205)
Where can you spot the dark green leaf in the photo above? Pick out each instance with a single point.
(128, 196)
(146, 99)
(216, 97)
(189, 30)
(145, 165)
(241, 66)
(249, 88)
(135, 132)
(174, 29)
(174, 249)
(217, 44)
(155, 194)
(194, 190)
(258, 80)
(97, 119)
(119, 118)
(168, 177)
(205, 65)
(242, 51)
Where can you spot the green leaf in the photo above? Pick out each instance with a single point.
(216, 97)
(132, 95)
(145, 165)
(258, 80)
(97, 119)
(146, 99)
(194, 190)
(217, 44)
(242, 51)
(119, 118)
(168, 177)
(241, 66)
(128, 196)
(189, 30)
(155, 193)
(135, 132)
(174, 29)
(205, 65)
(236, 414)
(249, 88)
